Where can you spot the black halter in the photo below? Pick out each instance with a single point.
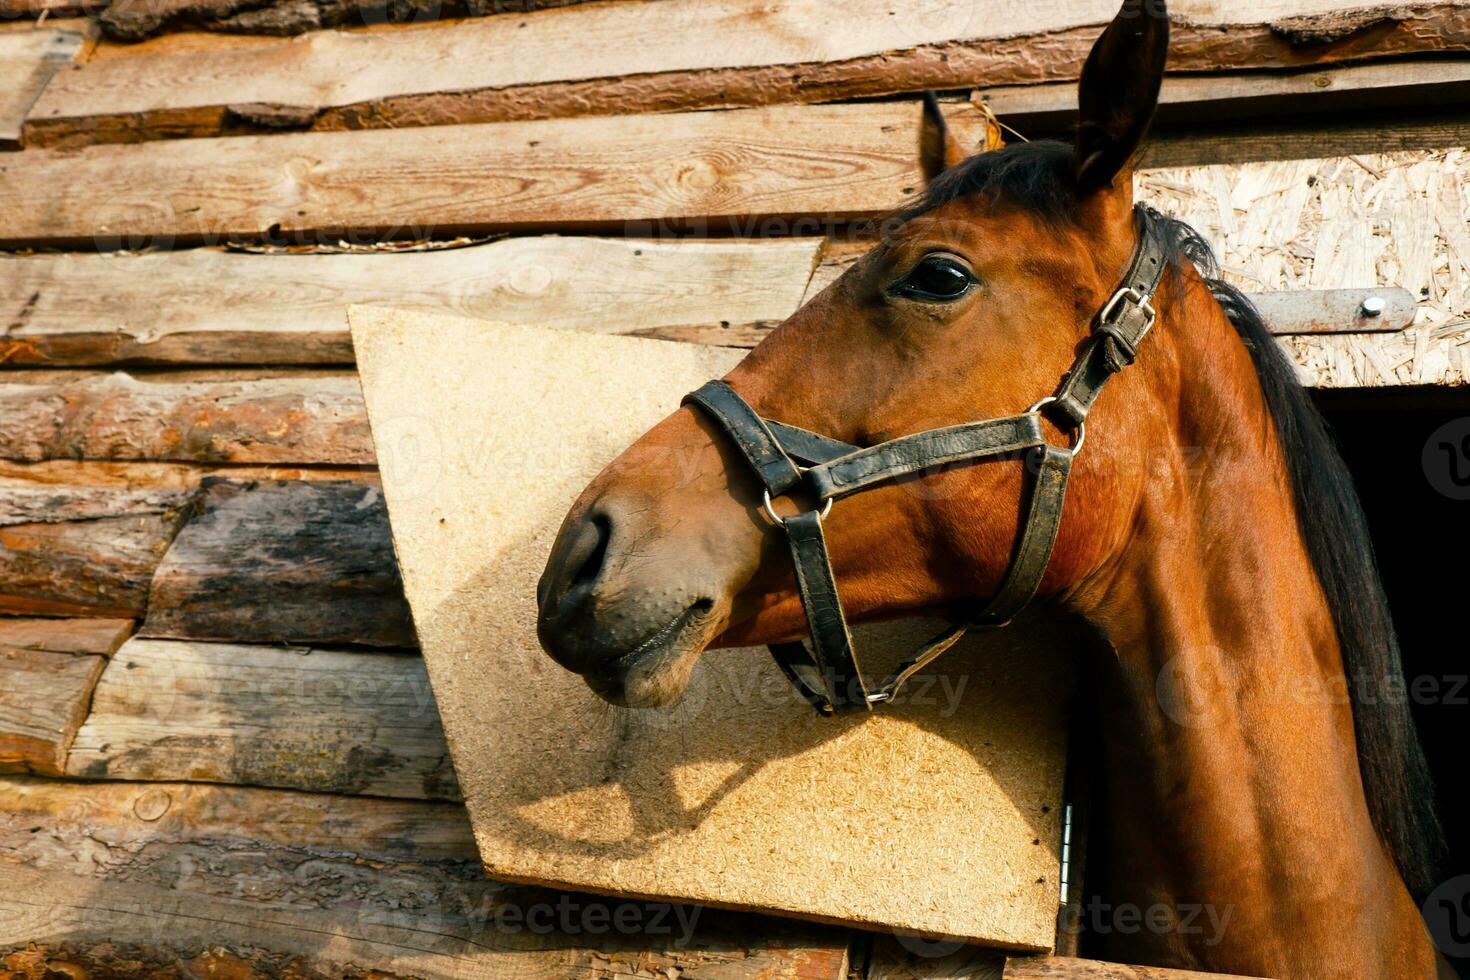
(785, 458)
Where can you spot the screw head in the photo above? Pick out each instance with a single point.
(1374, 306)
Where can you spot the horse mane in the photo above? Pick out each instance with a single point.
(1395, 773)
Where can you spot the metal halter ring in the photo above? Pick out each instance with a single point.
(1081, 426)
(777, 519)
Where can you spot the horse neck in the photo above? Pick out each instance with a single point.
(1231, 768)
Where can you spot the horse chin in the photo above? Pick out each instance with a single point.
(656, 674)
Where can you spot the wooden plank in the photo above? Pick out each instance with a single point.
(272, 420)
(283, 561)
(597, 59)
(134, 20)
(66, 309)
(778, 171)
(404, 862)
(321, 720)
(43, 700)
(1052, 106)
(60, 924)
(911, 958)
(1068, 968)
(82, 551)
(100, 636)
(28, 60)
(31, 10)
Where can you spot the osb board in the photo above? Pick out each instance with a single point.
(941, 818)
(1388, 219)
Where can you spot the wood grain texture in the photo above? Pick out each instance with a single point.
(223, 307)
(269, 420)
(374, 865)
(100, 636)
(134, 20)
(43, 699)
(28, 60)
(283, 561)
(54, 924)
(777, 171)
(911, 958)
(597, 59)
(1052, 106)
(90, 551)
(321, 720)
(1068, 968)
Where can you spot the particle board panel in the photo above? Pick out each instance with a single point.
(697, 54)
(235, 307)
(740, 796)
(1392, 218)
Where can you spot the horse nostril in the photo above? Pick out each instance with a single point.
(591, 568)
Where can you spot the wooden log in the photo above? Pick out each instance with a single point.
(100, 636)
(271, 420)
(179, 476)
(912, 958)
(787, 170)
(1052, 106)
(28, 59)
(1068, 968)
(283, 561)
(597, 59)
(321, 720)
(134, 20)
(287, 309)
(82, 551)
(369, 866)
(31, 10)
(65, 925)
(43, 700)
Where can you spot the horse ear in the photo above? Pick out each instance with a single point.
(938, 149)
(1119, 92)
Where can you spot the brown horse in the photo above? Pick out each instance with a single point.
(1211, 537)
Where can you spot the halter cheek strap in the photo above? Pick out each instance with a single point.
(785, 458)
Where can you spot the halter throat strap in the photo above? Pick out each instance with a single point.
(786, 459)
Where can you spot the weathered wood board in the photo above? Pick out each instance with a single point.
(740, 796)
(372, 864)
(43, 698)
(69, 309)
(64, 924)
(134, 20)
(69, 550)
(1052, 106)
(101, 636)
(28, 59)
(87, 415)
(287, 561)
(598, 59)
(746, 172)
(322, 720)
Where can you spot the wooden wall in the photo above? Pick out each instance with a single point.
(218, 745)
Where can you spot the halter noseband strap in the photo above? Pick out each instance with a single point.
(786, 458)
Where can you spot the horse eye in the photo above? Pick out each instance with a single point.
(936, 277)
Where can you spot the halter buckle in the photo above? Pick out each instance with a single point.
(780, 521)
(1128, 294)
